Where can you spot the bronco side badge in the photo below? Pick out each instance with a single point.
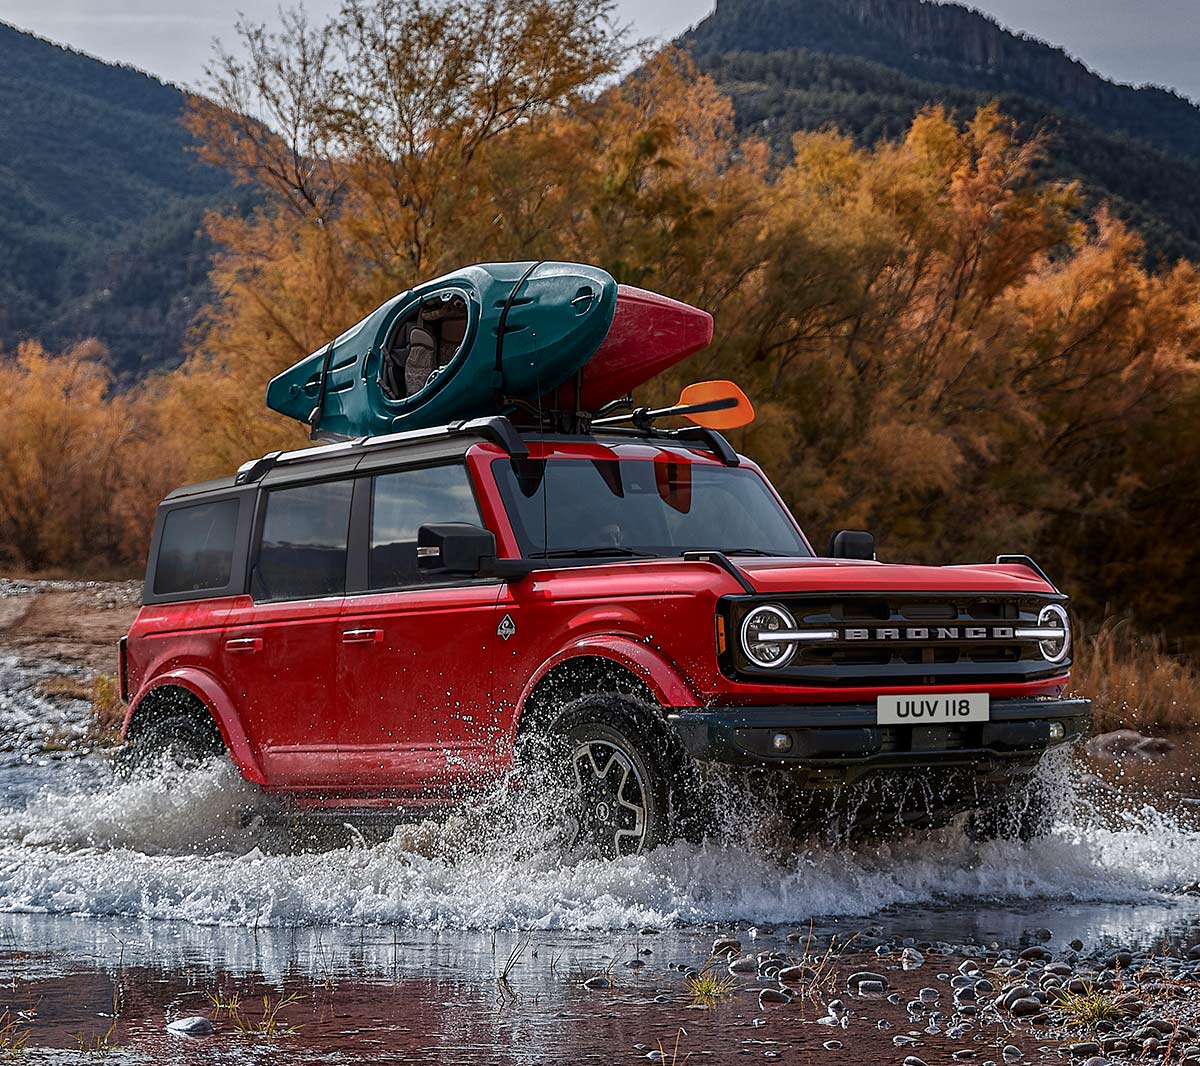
(506, 628)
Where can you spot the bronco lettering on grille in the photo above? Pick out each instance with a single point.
(890, 633)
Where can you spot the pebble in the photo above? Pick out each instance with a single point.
(1036, 954)
(1011, 1053)
(856, 979)
(793, 973)
(193, 1026)
(744, 964)
(912, 1060)
(772, 995)
(727, 946)
(597, 983)
(911, 958)
(1085, 1047)
(928, 995)
(833, 1045)
(1026, 1006)
(1096, 1060)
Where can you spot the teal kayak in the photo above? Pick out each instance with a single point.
(468, 344)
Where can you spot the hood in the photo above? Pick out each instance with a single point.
(779, 576)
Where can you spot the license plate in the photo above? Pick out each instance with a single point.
(942, 708)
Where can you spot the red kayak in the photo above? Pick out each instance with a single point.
(649, 334)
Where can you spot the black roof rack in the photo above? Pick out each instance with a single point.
(496, 429)
(708, 438)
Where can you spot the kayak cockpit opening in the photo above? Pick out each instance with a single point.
(423, 343)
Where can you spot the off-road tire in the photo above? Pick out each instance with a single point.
(621, 766)
(183, 738)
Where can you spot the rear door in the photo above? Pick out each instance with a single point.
(415, 652)
(279, 654)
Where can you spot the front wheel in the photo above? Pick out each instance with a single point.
(617, 768)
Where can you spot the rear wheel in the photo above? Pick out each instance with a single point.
(617, 767)
(182, 740)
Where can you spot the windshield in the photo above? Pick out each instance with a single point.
(642, 507)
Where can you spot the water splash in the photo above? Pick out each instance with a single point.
(184, 849)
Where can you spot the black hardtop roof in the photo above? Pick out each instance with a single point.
(438, 443)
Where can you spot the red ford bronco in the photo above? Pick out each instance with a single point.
(378, 624)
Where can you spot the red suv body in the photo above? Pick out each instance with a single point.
(311, 614)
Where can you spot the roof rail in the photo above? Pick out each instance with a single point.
(496, 429)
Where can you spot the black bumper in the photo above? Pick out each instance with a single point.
(835, 743)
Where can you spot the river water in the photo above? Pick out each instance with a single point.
(126, 905)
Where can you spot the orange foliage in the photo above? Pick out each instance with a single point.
(939, 345)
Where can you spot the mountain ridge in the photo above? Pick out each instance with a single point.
(95, 167)
(868, 67)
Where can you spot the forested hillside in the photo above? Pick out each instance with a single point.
(869, 66)
(101, 205)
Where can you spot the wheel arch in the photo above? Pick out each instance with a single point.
(203, 695)
(602, 664)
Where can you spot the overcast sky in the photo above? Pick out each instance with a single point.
(1129, 40)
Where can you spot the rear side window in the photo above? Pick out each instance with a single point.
(196, 548)
(303, 549)
(404, 502)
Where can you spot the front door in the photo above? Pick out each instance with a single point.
(279, 647)
(415, 652)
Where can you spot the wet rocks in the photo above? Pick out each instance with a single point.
(193, 1026)
(599, 983)
(1122, 743)
(726, 945)
(746, 964)
(856, 980)
(772, 995)
(1026, 1007)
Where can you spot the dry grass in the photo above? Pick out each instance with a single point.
(103, 692)
(1135, 682)
(710, 986)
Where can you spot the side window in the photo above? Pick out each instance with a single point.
(303, 550)
(403, 502)
(196, 548)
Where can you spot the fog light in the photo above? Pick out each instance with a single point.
(782, 742)
(1057, 732)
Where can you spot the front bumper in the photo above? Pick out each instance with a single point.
(842, 743)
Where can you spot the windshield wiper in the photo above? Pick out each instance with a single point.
(749, 551)
(592, 553)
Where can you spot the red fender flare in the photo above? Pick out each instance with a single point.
(665, 682)
(208, 691)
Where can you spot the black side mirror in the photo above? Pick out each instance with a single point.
(852, 544)
(461, 548)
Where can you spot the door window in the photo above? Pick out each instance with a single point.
(303, 551)
(403, 502)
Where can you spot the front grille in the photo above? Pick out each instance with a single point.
(904, 639)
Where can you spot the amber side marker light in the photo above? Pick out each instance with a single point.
(721, 645)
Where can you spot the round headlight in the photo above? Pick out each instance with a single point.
(1055, 649)
(757, 628)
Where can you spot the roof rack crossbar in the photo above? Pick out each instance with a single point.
(708, 438)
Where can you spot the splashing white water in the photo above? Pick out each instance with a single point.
(177, 848)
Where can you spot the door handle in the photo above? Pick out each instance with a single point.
(362, 636)
(244, 644)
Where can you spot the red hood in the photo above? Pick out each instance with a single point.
(857, 575)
